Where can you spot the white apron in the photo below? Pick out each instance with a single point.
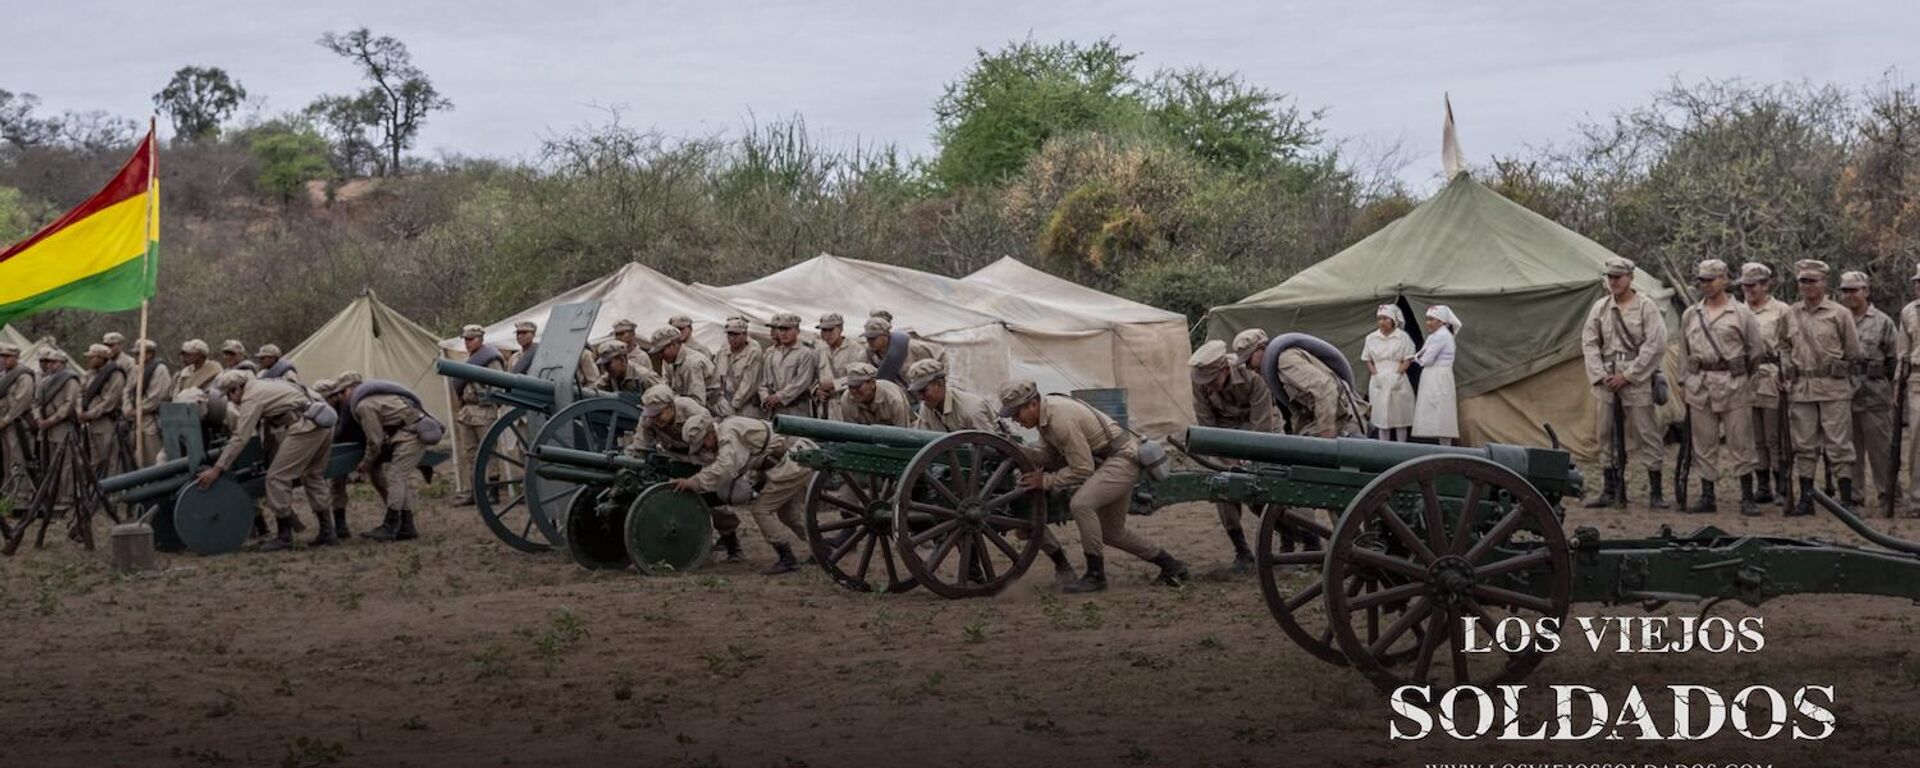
(1436, 415)
(1389, 392)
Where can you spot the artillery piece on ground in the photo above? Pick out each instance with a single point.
(624, 514)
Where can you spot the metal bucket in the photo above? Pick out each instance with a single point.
(132, 547)
(1112, 402)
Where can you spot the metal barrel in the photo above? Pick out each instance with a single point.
(517, 382)
(154, 491)
(822, 430)
(574, 457)
(1361, 454)
(167, 470)
(576, 475)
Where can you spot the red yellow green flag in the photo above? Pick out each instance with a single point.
(102, 255)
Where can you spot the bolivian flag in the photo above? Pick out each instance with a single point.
(103, 255)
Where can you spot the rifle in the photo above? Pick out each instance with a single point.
(1683, 462)
(1783, 464)
(1620, 442)
(1899, 427)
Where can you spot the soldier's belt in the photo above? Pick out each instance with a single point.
(1830, 370)
(1737, 367)
(1871, 369)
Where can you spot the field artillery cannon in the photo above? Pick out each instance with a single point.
(624, 514)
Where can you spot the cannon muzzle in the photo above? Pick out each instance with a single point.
(824, 431)
(1551, 471)
(167, 470)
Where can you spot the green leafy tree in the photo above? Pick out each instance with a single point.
(400, 97)
(1010, 102)
(1228, 122)
(288, 157)
(198, 100)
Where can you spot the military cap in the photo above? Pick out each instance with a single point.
(1853, 279)
(1810, 269)
(655, 399)
(1247, 341)
(831, 320)
(326, 388)
(624, 324)
(1016, 393)
(736, 324)
(114, 339)
(696, 429)
(267, 350)
(882, 314)
(231, 379)
(662, 337)
(612, 349)
(878, 326)
(234, 345)
(784, 320)
(680, 321)
(147, 345)
(473, 331)
(194, 347)
(922, 373)
(1208, 361)
(348, 378)
(860, 373)
(99, 350)
(526, 326)
(1710, 269)
(1755, 273)
(1618, 265)
(9, 350)
(53, 355)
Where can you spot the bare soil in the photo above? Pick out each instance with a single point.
(456, 650)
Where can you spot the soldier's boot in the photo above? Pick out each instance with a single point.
(406, 531)
(1242, 556)
(1062, 568)
(1609, 490)
(1173, 573)
(259, 526)
(1846, 494)
(785, 563)
(1706, 504)
(326, 537)
(1804, 505)
(730, 544)
(1781, 487)
(284, 540)
(1748, 507)
(1655, 497)
(340, 525)
(387, 527)
(1095, 579)
(1762, 485)
(463, 500)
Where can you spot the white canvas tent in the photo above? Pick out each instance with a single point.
(29, 348)
(635, 292)
(370, 337)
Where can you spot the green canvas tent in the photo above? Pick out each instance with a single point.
(1521, 284)
(370, 337)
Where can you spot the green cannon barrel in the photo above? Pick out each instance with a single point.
(824, 431)
(176, 469)
(521, 389)
(1551, 471)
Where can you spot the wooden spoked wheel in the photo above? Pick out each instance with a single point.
(1450, 539)
(962, 526)
(502, 498)
(594, 424)
(850, 529)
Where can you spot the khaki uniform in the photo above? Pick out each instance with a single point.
(389, 420)
(1873, 403)
(790, 374)
(301, 451)
(833, 367)
(740, 374)
(1720, 349)
(1910, 357)
(1630, 341)
(1081, 446)
(16, 418)
(693, 376)
(1244, 402)
(1769, 452)
(103, 394)
(650, 438)
(129, 365)
(470, 423)
(148, 406)
(636, 381)
(750, 446)
(1322, 406)
(57, 402)
(917, 350)
(888, 407)
(1821, 345)
(961, 410)
(195, 376)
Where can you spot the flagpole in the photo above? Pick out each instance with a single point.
(146, 264)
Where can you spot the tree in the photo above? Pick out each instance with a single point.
(400, 97)
(198, 99)
(18, 125)
(1009, 103)
(344, 121)
(289, 157)
(1229, 122)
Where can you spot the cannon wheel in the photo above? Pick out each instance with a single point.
(214, 521)
(668, 530)
(954, 509)
(1453, 563)
(503, 501)
(1291, 604)
(593, 424)
(855, 520)
(596, 533)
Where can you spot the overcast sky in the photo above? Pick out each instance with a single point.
(1521, 72)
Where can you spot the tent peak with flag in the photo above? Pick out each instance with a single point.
(102, 255)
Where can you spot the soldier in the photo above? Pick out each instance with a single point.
(1756, 281)
(871, 400)
(1720, 344)
(154, 387)
(1250, 347)
(735, 448)
(391, 419)
(1872, 390)
(880, 313)
(627, 333)
(1081, 446)
(16, 407)
(881, 354)
(1321, 405)
(56, 406)
(946, 408)
(1228, 395)
(273, 366)
(741, 365)
(616, 372)
(103, 396)
(1820, 345)
(684, 325)
(790, 371)
(663, 421)
(688, 370)
(196, 371)
(233, 355)
(117, 345)
(300, 454)
(346, 430)
(1909, 357)
(835, 353)
(525, 334)
(1623, 342)
(475, 413)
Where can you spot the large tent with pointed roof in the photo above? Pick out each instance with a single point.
(1521, 284)
(633, 292)
(29, 348)
(370, 337)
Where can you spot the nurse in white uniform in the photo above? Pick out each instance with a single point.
(1436, 413)
(1388, 352)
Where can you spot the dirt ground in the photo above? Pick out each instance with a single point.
(456, 650)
